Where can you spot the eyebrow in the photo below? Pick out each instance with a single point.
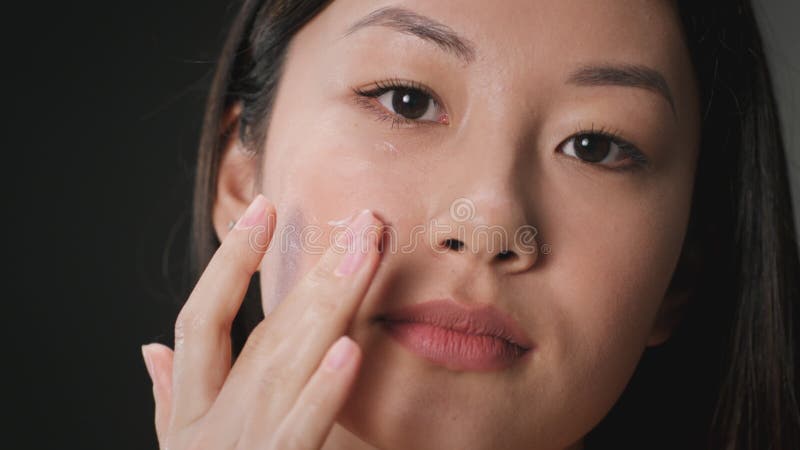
(425, 28)
(629, 75)
(409, 22)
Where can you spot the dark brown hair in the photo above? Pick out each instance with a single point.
(726, 378)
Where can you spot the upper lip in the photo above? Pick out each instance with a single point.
(484, 319)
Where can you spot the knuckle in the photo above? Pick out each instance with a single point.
(322, 308)
(320, 274)
(180, 327)
(237, 258)
(199, 442)
(272, 380)
(292, 441)
(261, 345)
(322, 271)
(168, 442)
(187, 324)
(194, 439)
(313, 406)
(261, 336)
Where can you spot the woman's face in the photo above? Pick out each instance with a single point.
(496, 145)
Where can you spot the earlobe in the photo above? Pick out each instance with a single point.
(682, 285)
(669, 315)
(235, 175)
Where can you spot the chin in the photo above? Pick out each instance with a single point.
(401, 401)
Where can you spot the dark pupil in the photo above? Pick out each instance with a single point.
(591, 147)
(410, 103)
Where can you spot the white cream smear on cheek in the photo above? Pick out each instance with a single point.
(386, 146)
(344, 221)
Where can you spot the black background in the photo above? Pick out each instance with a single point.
(104, 104)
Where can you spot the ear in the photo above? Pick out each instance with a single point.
(681, 287)
(669, 315)
(235, 176)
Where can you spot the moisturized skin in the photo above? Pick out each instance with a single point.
(592, 305)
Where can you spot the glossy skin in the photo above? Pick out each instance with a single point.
(497, 139)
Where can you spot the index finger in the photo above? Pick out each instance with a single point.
(202, 330)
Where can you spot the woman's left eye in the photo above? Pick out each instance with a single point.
(402, 104)
(602, 149)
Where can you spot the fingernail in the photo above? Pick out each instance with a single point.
(148, 363)
(340, 353)
(254, 213)
(358, 242)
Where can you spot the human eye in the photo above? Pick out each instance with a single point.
(603, 148)
(403, 103)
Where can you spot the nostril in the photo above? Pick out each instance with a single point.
(506, 254)
(453, 244)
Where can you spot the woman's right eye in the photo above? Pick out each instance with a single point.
(410, 103)
(403, 104)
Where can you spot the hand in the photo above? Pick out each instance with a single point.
(278, 394)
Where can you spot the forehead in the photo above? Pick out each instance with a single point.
(522, 27)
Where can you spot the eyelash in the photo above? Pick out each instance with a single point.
(365, 97)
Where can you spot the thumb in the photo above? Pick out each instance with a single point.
(158, 359)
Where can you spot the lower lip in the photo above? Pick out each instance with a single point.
(453, 349)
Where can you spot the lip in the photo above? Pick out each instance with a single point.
(457, 336)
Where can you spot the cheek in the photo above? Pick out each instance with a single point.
(340, 180)
(320, 178)
(610, 264)
(615, 243)
(617, 271)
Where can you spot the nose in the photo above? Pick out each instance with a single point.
(489, 226)
(486, 215)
